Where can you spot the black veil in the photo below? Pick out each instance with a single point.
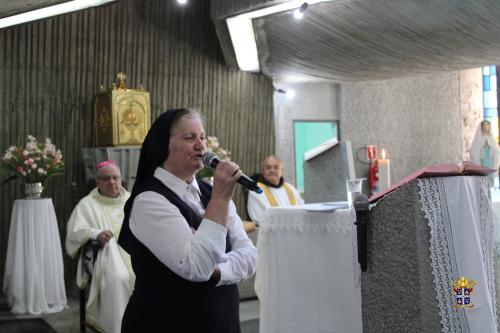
(154, 151)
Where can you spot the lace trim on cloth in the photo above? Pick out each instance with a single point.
(321, 222)
(444, 266)
(487, 235)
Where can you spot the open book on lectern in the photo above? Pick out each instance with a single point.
(465, 168)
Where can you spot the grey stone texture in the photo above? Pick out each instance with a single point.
(419, 120)
(471, 106)
(397, 289)
(327, 173)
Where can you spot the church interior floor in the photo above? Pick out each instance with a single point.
(66, 321)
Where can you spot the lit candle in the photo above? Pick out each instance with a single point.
(384, 172)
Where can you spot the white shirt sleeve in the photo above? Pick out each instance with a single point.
(160, 226)
(256, 206)
(242, 259)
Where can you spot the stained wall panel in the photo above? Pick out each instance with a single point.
(50, 70)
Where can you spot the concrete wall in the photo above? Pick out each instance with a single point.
(422, 120)
(312, 101)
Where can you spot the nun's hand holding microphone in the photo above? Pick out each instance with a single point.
(226, 175)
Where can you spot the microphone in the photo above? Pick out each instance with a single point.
(362, 208)
(210, 160)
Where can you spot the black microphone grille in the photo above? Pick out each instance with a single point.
(208, 158)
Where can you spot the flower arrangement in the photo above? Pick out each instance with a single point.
(213, 145)
(35, 162)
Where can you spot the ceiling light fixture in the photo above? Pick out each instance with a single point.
(182, 2)
(299, 12)
(243, 36)
(37, 14)
(290, 93)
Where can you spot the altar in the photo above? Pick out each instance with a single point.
(430, 266)
(308, 278)
(34, 275)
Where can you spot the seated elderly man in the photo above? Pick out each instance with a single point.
(276, 192)
(99, 216)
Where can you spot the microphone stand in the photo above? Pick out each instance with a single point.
(361, 206)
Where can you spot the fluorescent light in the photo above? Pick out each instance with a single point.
(245, 47)
(243, 37)
(182, 2)
(37, 14)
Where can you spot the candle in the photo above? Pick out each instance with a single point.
(384, 172)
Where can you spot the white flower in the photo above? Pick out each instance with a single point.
(7, 156)
(48, 141)
(34, 166)
(12, 148)
(25, 153)
(31, 138)
(31, 146)
(41, 171)
(49, 149)
(212, 142)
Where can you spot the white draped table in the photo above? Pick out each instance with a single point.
(308, 278)
(34, 273)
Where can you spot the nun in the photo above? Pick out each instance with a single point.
(187, 244)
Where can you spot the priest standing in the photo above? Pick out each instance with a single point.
(276, 192)
(99, 216)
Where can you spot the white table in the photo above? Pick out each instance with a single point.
(34, 273)
(308, 278)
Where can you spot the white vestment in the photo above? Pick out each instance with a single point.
(113, 279)
(258, 203)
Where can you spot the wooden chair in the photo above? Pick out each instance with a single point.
(89, 255)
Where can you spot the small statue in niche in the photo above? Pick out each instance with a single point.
(484, 149)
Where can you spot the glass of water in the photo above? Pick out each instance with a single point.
(354, 187)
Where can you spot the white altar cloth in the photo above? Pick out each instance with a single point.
(34, 275)
(308, 278)
(460, 217)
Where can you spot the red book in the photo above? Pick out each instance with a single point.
(441, 170)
